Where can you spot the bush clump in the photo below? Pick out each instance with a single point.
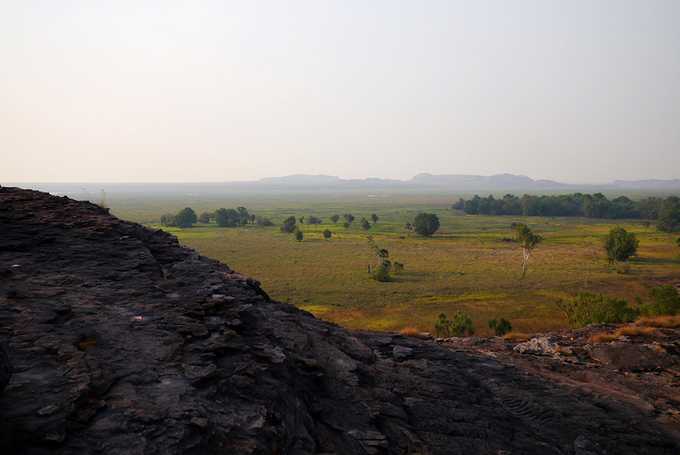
(500, 326)
(587, 308)
(665, 301)
(459, 326)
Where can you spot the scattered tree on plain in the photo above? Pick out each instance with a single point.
(288, 225)
(620, 245)
(500, 326)
(314, 220)
(243, 215)
(302, 220)
(426, 224)
(169, 220)
(408, 226)
(374, 218)
(365, 225)
(327, 234)
(204, 218)
(381, 272)
(260, 221)
(227, 217)
(299, 235)
(349, 218)
(186, 218)
(528, 241)
(345, 225)
(335, 218)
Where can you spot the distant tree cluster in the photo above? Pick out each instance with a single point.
(459, 326)
(223, 217)
(587, 205)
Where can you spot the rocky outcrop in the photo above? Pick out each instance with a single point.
(123, 341)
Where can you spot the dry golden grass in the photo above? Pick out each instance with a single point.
(516, 336)
(603, 338)
(636, 331)
(665, 322)
(410, 332)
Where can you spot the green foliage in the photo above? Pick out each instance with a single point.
(289, 225)
(314, 220)
(669, 215)
(204, 218)
(587, 308)
(327, 234)
(169, 220)
(243, 215)
(620, 244)
(500, 326)
(186, 218)
(335, 218)
(374, 218)
(345, 225)
(665, 301)
(460, 325)
(382, 272)
(299, 235)
(528, 241)
(426, 224)
(365, 225)
(349, 218)
(227, 217)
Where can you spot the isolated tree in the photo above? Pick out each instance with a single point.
(253, 218)
(349, 218)
(500, 326)
(528, 241)
(314, 220)
(327, 234)
(374, 218)
(288, 225)
(381, 272)
(299, 235)
(243, 215)
(169, 220)
(365, 225)
(302, 220)
(335, 218)
(186, 218)
(426, 224)
(345, 225)
(204, 218)
(669, 215)
(227, 217)
(620, 245)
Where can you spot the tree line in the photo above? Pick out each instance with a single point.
(665, 211)
(239, 216)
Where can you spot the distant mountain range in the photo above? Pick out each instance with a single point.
(442, 183)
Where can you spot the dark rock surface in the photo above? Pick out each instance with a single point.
(122, 341)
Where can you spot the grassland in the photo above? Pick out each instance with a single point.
(468, 265)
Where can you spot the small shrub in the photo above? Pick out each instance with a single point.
(500, 327)
(665, 301)
(299, 235)
(587, 308)
(382, 272)
(327, 234)
(460, 325)
(335, 218)
(365, 225)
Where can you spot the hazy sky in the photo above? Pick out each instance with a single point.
(121, 91)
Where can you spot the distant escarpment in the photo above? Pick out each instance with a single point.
(121, 341)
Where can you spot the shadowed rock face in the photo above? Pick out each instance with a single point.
(122, 341)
